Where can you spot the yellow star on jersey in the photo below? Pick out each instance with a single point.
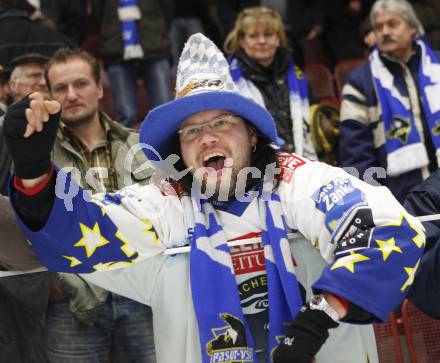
(419, 238)
(149, 229)
(126, 247)
(411, 271)
(73, 261)
(91, 239)
(112, 265)
(388, 247)
(349, 261)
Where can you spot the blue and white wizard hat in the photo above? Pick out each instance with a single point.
(203, 83)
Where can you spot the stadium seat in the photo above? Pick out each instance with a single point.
(313, 52)
(422, 334)
(321, 81)
(343, 69)
(388, 342)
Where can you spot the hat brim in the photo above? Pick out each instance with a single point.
(26, 59)
(161, 124)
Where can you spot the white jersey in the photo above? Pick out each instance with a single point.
(318, 201)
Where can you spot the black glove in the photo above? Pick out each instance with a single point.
(31, 156)
(304, 337)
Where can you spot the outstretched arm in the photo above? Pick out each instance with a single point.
(373, 247)
(30, 129)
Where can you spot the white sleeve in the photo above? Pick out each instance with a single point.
(373, 246)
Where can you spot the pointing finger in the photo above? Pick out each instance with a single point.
(52, 106)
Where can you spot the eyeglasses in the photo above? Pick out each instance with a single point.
(218, 124)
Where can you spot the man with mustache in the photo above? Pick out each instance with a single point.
(389, 112)
(223, 303)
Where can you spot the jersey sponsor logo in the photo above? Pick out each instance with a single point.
(289, 163)
(337, 199)
(248, 258)
(253, 294)
(229, 344)
(358, 233)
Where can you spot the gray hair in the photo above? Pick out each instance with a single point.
(401, 7)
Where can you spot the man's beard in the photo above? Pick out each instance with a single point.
(80, 120)
(221, 189)
(226, 187)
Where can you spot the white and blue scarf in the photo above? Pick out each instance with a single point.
(224, 333)
(129, 13)
(299, 104)
(405, 149)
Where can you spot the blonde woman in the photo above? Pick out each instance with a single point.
(262, 67)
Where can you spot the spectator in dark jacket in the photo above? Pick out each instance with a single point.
(144, 54)
(20, 35)
(388, 112)
(424, 199)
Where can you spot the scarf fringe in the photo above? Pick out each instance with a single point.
(129, 13)
(133, 52)
(407, 158)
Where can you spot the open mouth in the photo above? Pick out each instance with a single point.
(214, 160)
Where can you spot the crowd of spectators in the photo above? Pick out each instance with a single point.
(131, 50)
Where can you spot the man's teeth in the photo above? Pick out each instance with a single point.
(212, 155)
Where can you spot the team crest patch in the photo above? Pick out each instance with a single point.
(337, 200)
(229, 344)
(357, 234)
(400, 130)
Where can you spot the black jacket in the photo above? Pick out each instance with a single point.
(271, 81)
(20, 35)
(5, 164)
(424, 199)
(70, 17)
(23, 303)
